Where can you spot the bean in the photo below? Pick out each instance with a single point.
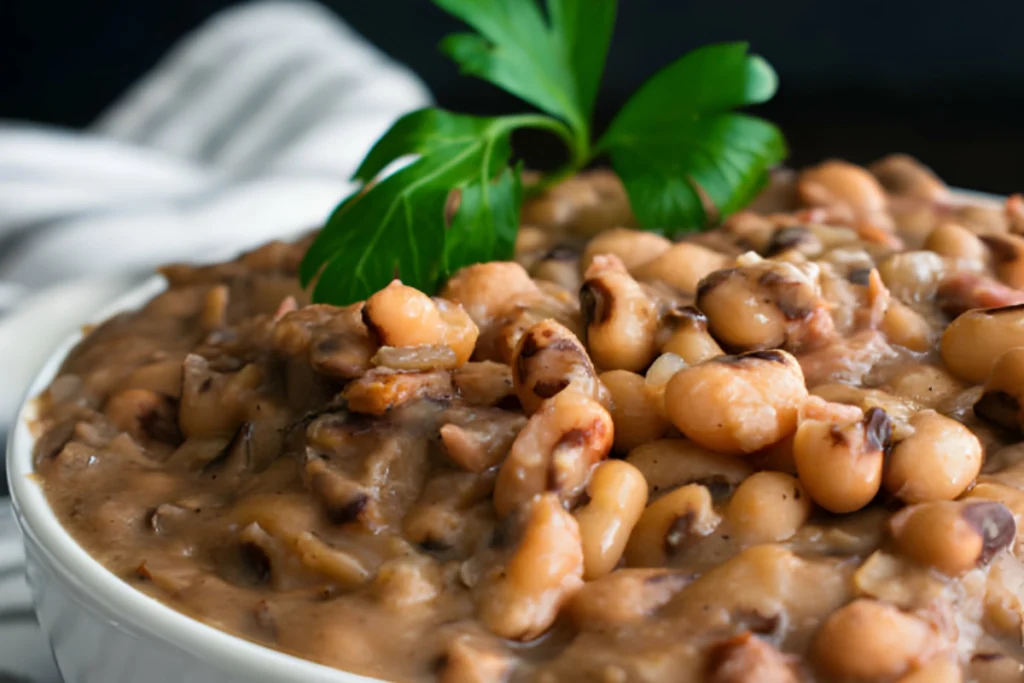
(927, 385)
(992, 667)
(402, 316)
(547, 360)
(634, 410)
(657, 377)
(621, 320)
(953, 536)
(333, 340)
(484, 383)
(837, 182)
(904, 175)
(768, 507)
(765, 305)
(555, 452)
(840, 464)
(669, 523)
(618, 495)
(521, 599)
(669, 463)
(1001, 402)
(937, 462)
(559, 267)
(689, 337)
(488, 290)
(625, 596)
(683, 266)
(913, 276)
(633, 247)
(974, 341)
(982, 219)
(737, 404)
(955, 241)
(1007, 257)
(906, 327)
(869, 640)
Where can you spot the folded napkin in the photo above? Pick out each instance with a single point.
(249, 129)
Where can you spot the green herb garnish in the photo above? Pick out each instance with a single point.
(677, 133)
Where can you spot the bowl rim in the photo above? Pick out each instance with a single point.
(102, 592)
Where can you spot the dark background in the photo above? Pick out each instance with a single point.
(941, 80)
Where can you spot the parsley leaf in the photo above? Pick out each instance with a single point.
(398, 226)
(584, 31)
(517, 51)
(677, 130)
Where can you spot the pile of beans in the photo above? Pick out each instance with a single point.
(784, 450)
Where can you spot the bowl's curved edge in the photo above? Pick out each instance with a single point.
(123, 606)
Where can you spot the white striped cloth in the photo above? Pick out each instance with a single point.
(247, 130)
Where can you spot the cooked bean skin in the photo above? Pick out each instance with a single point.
(937, 462)
(785, 449)
(737, 404)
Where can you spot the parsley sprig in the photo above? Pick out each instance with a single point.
(678, 132)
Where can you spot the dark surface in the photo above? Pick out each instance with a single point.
(941, 80)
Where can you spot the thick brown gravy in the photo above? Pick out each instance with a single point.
(760, 454)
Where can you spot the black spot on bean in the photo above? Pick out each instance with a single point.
(329, 345)
(374, 329)
(877, 429)
(713, 280)
(561, 252)
(595, 302)
(1012, 308)
(689, 315)
(530, 347)
(546, 388)
(859, 276)
(205, 385)
(994, 523)
(770, 355)
(678, 531)
(787, 238)
(350, 511)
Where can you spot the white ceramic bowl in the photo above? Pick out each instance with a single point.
(100, 628)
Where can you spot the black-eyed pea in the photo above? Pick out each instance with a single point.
(625, 596)
(906, 327)
(403, 316)
(1001, 404)
(683, 266)
(620, 319)
(868, 640)
(520, 599)
(906, 176)
(669, 463)
(953, 536)
(657, 376)
(1013, 498)
(669, 523)
(737, 404)
(634, 410)
(618, 495)
(633, 247)
(458, 331)
(957, 242)
(974, 341)
(488, 290)
(840, 464)
(839, 182)
(938, 461)
(764, 305)
(548, 359)
(1007, 252)
(913, 276)
(555, 452)
(688, 336)
(560, 266)
(768, 507)
(927, 385)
